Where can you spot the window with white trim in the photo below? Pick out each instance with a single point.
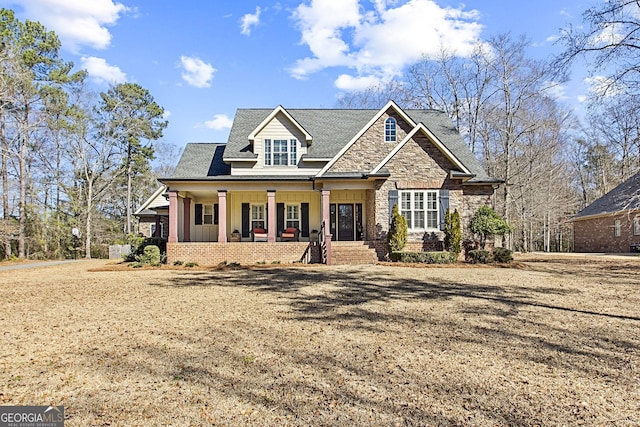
(280, 152)
(293, 216)
(258, 217)
(617, 228)
(420, 209)
(636, 226)
(390, 130)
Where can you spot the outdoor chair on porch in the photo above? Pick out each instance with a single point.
(259, 235)
(290, 234)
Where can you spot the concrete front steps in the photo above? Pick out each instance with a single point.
(352, 253)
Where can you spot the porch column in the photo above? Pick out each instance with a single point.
(157, 233)
(326, 219)
(271, 216)
(222, 216)
(173, 216)
(187, 220)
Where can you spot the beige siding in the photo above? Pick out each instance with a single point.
(279, 128)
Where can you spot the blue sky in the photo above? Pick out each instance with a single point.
(202, 60)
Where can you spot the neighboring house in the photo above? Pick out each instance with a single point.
(611, 223)
(287, 177)
(153, 215)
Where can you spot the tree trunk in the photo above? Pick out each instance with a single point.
(5, 185)
(87, 230)
(129, 173)
(22, 211)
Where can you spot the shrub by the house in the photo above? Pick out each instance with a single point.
(425, 257)
(397, 236)
(479, 256)
(502, 255)
(150, 255)
(486, 222)
(452, 232)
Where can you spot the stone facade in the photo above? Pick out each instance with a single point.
(145, 222)
(599, 234)
(420, 165)
(370, 149)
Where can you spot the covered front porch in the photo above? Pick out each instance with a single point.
(205, 220)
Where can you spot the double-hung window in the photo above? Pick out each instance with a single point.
(206, 214)
(420, 209)
(280, 152)
(293, 216)
(636, 226)
(617, 228)
(257, 216)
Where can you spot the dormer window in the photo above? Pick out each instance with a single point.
(280, 152)
(390, 130)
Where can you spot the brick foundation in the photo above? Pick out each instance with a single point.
(213, 253)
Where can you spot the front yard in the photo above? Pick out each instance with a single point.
(547, 342)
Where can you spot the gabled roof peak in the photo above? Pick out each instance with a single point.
(272, 115)
(420, 127)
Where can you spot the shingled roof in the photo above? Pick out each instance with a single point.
(624, 197)
(332, 129)
(201, 160)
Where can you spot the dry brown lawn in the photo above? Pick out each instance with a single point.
(547, 342)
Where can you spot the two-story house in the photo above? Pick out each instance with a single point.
(290, 179)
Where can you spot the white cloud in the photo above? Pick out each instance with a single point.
(196, 72)
(602, 86)
(166, 114)
(249, 20)
(77, 22)
(380, 42)
(610, 34)
(348, 83)
(556, 90)
(102, 72)
(219, 122)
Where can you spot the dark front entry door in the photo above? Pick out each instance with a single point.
(345, 220)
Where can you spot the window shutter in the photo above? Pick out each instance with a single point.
(444, 205)
(280, 217)
(304, 219)
(215, 213)
(393, 200)
(245, 219)
(198, 218)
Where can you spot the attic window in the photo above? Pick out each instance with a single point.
(390, 130)
(280, 152)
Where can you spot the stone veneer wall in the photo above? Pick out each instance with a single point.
(598, 234)
(144, 226)
(214, 253)
(370, 149)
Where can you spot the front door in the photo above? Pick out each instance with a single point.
(345, 220)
